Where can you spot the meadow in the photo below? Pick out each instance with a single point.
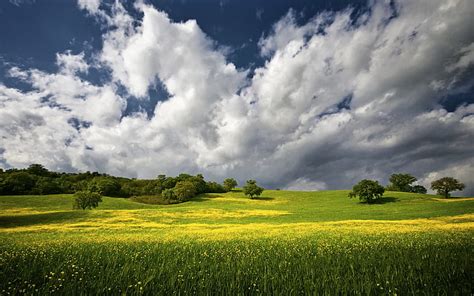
(283, 243)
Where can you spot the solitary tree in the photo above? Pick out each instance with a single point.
(367, 191)
(86, 200)
(229, 184)
(445, 185)
(401, 182)
(252, 189)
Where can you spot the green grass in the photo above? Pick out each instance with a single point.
(285, 243)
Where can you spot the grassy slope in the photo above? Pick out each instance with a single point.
(50, 214)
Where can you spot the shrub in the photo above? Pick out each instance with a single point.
(86, 200)
(367, 191)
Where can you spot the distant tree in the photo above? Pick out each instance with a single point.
(401, 182)
(38, 170)
(445, 185)
(367, 191)
(46, 185)
(418, 189)
(168, 194)
(229, 184)
(252, 189)
(106, 186)
(86, 200)
(184, 190)
(18, 182)
(214, 187)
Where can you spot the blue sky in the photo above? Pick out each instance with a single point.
(296, 94)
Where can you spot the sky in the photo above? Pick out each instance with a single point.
(301, 95)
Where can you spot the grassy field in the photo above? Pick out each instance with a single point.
(285, 243)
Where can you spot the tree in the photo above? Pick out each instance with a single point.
(105, 186)
(168, 194)
(445, 185)
(418, 189)
(229, 184)
(367, 191)
(401, 182)
(38, 170)
(214, 187)
(86, 200)
(252, 189)
(184, 190)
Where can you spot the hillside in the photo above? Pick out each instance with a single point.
(224, 214)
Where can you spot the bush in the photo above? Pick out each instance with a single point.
(367, 191)
(86, 200)
(252, 189)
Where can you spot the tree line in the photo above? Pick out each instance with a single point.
(36, 179)
(89, 187)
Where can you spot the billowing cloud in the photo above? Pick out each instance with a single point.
(338, 99)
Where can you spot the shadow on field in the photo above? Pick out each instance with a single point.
(33, 219)
(263, 198)
(386, 199)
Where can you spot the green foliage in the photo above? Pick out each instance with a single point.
(38, 170)
(184, 190)
(214, 187)
(229, 184)
(46, 185)
(168, 194)
(105, 186)
(17, 182)
(418, 189)
(367, 191)
(401, 182)
(36, 179)
(445, 185)
(86, 200)
(252, 189)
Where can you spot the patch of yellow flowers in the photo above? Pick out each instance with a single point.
(137, 225)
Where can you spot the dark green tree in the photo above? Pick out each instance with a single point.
(106, 186)
(367, 191)
(418, 189)
(445, 185)
(38, 170)
(46, 185)
(401, 182)
(252, 189)
(19, 182)
(229, 184)
(168, 194)
(184, 190)
(86, 200)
